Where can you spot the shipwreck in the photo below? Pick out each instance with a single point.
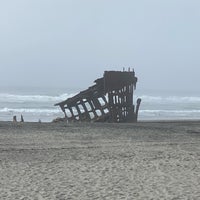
(110, 99)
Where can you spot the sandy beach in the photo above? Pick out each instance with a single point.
(145, 160)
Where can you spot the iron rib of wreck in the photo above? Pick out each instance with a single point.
(110, 99)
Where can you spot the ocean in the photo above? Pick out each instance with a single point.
(38, 104)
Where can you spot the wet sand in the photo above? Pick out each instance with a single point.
(146, 160)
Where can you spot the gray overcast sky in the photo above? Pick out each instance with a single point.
(72, 42)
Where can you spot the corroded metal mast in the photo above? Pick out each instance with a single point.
(109, 100)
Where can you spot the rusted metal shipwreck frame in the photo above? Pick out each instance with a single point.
(109, 100)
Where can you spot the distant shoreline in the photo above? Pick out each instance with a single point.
(180, 121)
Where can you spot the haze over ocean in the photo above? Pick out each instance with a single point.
(54, 43)
(36, 103)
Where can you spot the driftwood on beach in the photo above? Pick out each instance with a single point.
(110, 99)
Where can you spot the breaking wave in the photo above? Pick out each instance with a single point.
(33, 98)
(25, 110)
(170, 99)
(6, 97)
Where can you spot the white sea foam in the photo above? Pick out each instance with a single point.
(170, 99)
(170, 111)
(32, 98)
(47, 98)
(25, 110)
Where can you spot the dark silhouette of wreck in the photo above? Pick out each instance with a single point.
(109, 100)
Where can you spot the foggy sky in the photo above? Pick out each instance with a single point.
(72, 42)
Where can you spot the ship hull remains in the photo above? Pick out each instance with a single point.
(110, 99)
